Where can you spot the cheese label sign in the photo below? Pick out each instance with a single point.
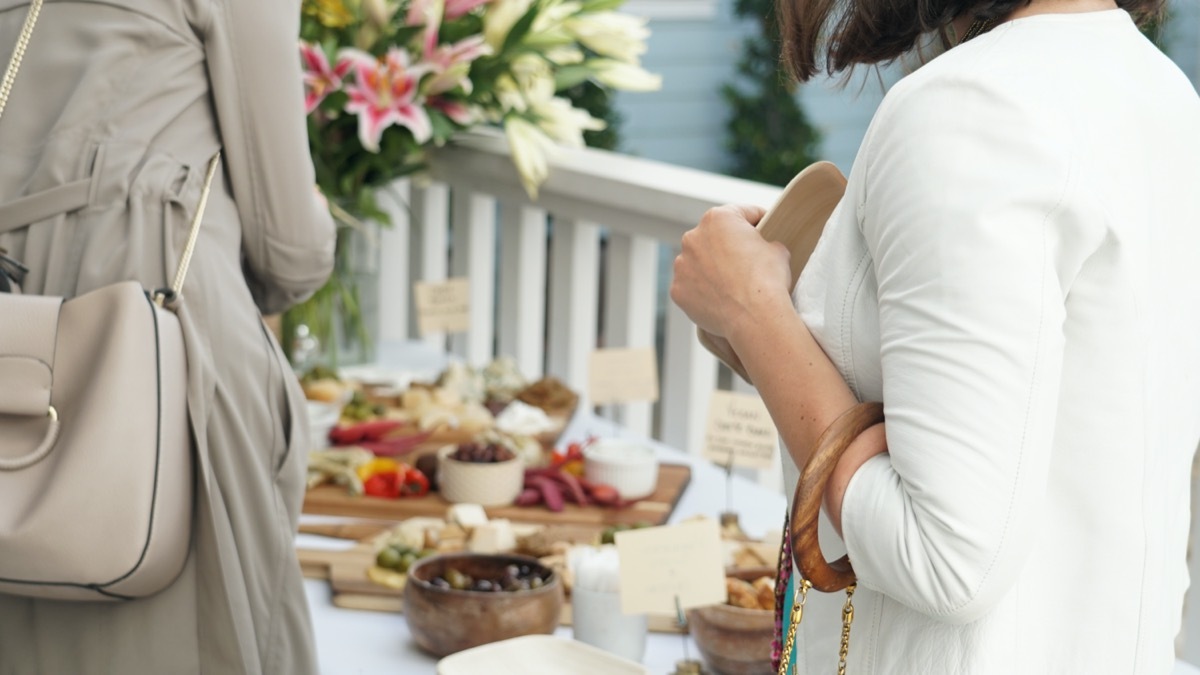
(622, 376)
(663, 566)
(443, 307)
(740, 431)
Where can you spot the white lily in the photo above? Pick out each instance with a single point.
(499, 19)
(380, 12)
(534, 77)
(625, 76)
(563, 122)
(530, 148)
(508, 94)
(555, 14)
(617, 36)
(564, 56)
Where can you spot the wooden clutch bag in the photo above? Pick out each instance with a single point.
(797, 219)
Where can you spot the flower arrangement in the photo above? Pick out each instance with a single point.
(388, 81)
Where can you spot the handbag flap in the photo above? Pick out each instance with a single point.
(27, 338)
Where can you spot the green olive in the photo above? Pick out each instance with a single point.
(406, 561)
(458, 580)
(388, 558)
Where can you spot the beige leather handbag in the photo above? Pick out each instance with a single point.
(96, 465)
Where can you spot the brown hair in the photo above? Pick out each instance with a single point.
(846, 33)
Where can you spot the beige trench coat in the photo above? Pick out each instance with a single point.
(131, 97)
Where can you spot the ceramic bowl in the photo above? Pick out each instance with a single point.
(735, 640)
(483, 483)
(444, 620)
(629, 467)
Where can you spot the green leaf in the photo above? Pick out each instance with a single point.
(590, 6)
(443, 127)
(521, 28)
(461, 28)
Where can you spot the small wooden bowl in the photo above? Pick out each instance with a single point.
(735, 640)
(444, 620)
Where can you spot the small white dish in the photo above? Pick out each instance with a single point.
(537, 655)
(629, 467)
(322, 418)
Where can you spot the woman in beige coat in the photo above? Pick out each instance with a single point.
(134, 96)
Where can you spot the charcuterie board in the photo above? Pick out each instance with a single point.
(346, 572)
(673, 479)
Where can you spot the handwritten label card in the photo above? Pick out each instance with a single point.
(660, 564)
(740, 427)
(443, 307)
(623, 375)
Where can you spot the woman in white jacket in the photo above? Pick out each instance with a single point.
(1013, 273)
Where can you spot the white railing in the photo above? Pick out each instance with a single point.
(554, 279)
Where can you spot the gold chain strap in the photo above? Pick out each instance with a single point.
(789, 643)
(793, 623)
(161, 296)
(978, 27)
(847, 619)
(14, 63)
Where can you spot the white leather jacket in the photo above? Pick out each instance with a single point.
(1015, 272)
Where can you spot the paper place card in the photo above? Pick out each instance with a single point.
(623, 376)
(739, 427)
(660, 564)
(443, 307)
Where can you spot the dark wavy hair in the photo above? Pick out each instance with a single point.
(840, 34)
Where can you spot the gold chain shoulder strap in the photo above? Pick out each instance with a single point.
(162, 296)
(10, 77)
(14, 63)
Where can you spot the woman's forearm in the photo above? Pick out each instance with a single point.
(802, 389)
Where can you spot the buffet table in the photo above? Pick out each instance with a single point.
(350, 641)
(354, 641)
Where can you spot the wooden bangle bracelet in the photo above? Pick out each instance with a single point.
(806, 504)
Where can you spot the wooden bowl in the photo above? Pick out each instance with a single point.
(444, 620)
(735, 640)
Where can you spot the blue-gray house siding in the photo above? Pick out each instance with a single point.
(684, 123)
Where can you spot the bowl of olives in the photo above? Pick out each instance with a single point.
(457, 601)
(484, 473)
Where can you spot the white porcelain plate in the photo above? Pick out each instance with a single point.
(537, 655)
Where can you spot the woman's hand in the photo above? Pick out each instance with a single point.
(726, 270)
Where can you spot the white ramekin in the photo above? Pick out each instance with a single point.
(629, 467)
(483, 483)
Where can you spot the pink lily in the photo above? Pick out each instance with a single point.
(320, 80)
(451, 64)
(457, 8)
(385, 93)
(427, 13)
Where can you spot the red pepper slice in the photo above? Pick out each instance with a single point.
(383, 485)
(415, 484)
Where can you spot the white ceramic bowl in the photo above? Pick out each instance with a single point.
(631, 468)
(483, 483)
(322, 418)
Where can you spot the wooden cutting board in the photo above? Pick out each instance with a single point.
(346, 572)
(673, 479)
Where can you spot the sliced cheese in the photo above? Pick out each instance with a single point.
(496, 536)
(467, 516)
